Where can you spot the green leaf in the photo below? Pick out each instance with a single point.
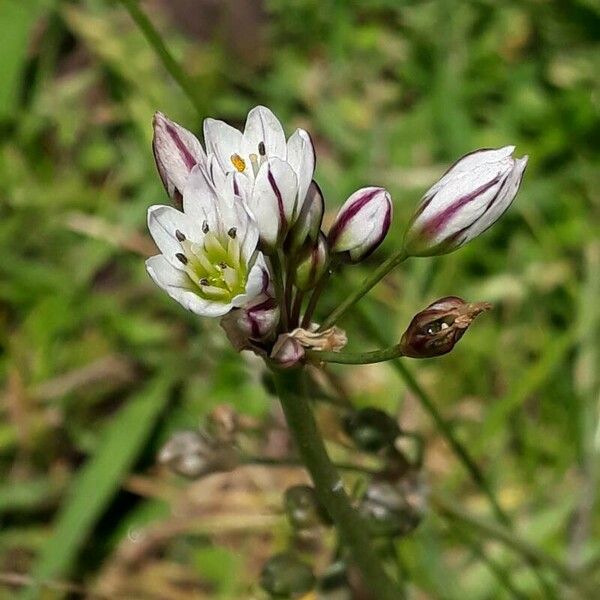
(98, 481)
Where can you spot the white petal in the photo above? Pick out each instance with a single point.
(255, 284)
(476, 160)
(223, 141)
(200, 200)
(179, 287)
(301, 157)
(263, 126)
(163, 222)
(506, 196)
(273, 199)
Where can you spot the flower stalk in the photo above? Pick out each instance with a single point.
(328, 485)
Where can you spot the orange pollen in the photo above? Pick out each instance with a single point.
(238, 162)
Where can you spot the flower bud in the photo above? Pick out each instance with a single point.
(257, 322)
(471, 196)
(287, 351)
(285, 576)
(303, 509)
(312, 264)
(309, 220)
(435, 330)
(361, 224)
(394, 506)
(176, 152)
(371, 429)
(194, 454)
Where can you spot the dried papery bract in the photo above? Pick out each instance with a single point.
(471, 196)
(361, 224)
(436, 330)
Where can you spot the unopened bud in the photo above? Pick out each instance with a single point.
(194, 454)
(303, 509)
(436, 330)
(361, 224)
(394, 507)
(287, 351)
(257, 322)
(286, 576)
(471, 196)
(371, 429)
(312, 264)
(176, 152)
(307, 226)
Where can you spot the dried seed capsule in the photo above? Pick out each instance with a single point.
(436, 330)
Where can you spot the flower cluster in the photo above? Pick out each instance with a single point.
(244, 239)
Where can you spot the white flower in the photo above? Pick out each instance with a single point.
(208, 261)
(272, 175)
(471, 196)
(361, 223)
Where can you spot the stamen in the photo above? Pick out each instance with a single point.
(204, 281)
(254, 162)
(238, 162)
(182, 258)
(261, 149)
(223, 265)
(179, 235)
(232, 233)
(205, 227)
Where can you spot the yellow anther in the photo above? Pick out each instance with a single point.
(238, 162)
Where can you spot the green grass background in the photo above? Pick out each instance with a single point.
(98, 367)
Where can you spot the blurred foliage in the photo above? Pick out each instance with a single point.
(392, 92)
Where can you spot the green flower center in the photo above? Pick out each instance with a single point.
(215, 266)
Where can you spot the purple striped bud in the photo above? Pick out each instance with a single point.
(312, 264)
(255, 322)
(471, 196)
(176, 152)
(361, 224)
(309, 220)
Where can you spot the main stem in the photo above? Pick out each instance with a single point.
(328, 485)
(378, 274)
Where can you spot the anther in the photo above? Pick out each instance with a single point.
(182, 258)
(204, 281)
(180, 236)
(205, 227)
(238, 162)
(223, 265)
(232, 233)
(261, 149)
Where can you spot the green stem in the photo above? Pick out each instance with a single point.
(378, 274)
(314, 298)
(171, 65)
(328, 485)
(278, 283)
(356, 358)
